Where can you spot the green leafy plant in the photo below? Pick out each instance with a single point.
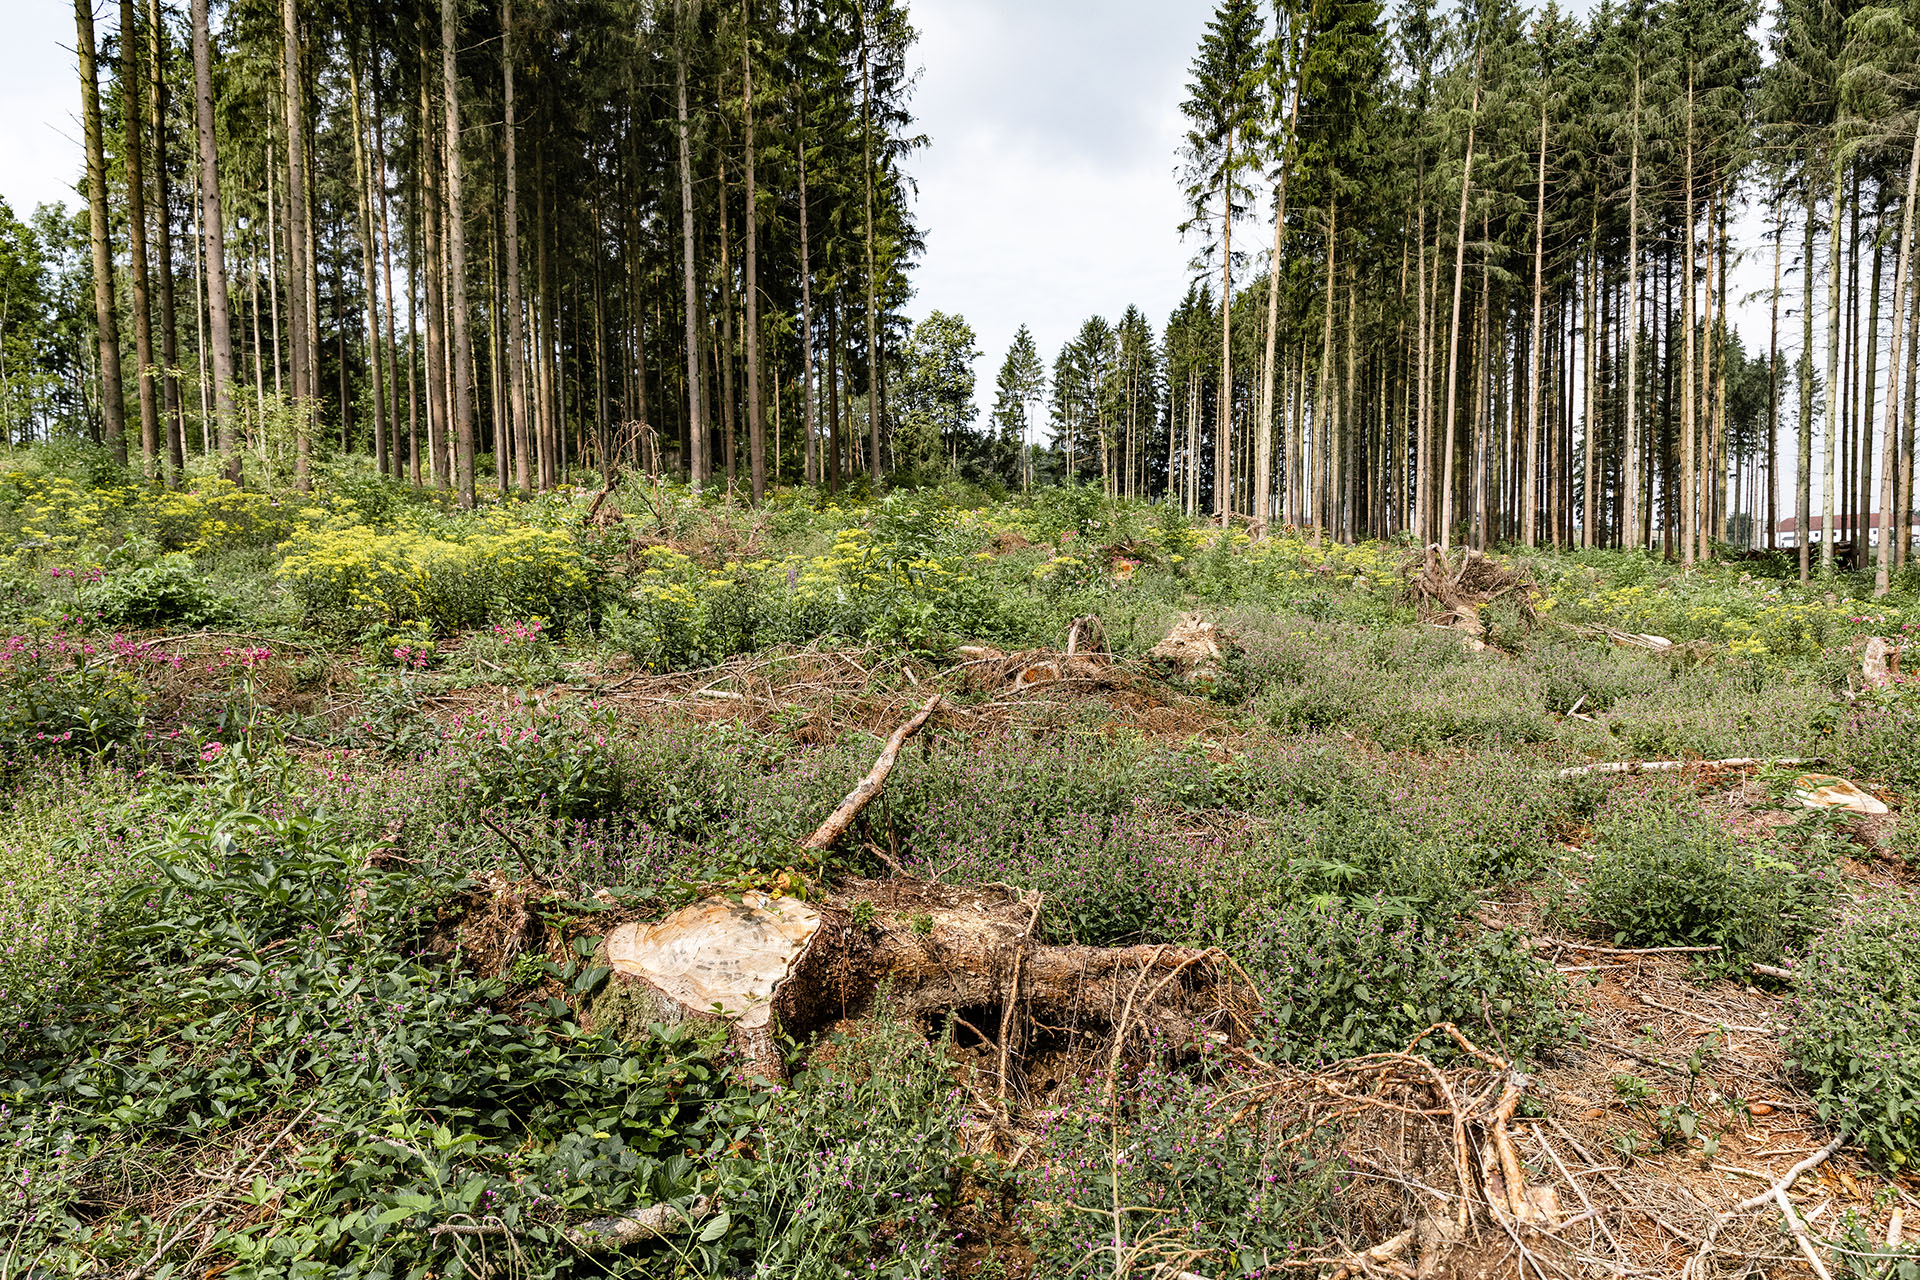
(158, 593)
(1666, 875)
(1183, 1189)
(1364, 978)
(555, 758)
(851, 1168)
(279, 984)
(1855, 1008)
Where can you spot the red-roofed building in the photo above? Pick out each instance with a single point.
(1848, 525)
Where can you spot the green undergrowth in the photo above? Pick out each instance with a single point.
(1664, 871)
(224, 860)
(1855, 1006)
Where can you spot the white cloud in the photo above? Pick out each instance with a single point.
(1048, 192)
(40, 152)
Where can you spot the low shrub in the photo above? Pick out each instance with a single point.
(853, 1165)
(161, 592)
(63, 693)
(1404, 690)
(1665, 874)
(349, 578)
(1855, 1008)
(1191, 1189)
(1362, 977)
(419, 1099)
(1874, 735)
(213, 514)
(535, 756)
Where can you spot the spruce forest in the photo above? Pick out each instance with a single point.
(554, 723)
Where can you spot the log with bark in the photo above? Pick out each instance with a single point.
(930, 954)
(768, 966)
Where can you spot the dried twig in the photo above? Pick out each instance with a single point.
(242, 1176)
(1013, 997)
(869, 786)
(1777, 1195)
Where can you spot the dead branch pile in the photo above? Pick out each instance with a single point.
(1452, 595)
(1195, 648)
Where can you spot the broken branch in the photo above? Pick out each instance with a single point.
(869, 786)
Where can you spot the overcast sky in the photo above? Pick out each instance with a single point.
(1049, 192)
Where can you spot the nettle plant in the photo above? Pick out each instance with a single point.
(1855, 1032)
(277, 983)
(532, 754)
(1665, 875)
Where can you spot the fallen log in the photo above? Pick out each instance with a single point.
(1672, 766)
(768, 966)
(926, 953)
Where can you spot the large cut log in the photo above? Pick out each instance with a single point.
(935, 955)
(767, 967)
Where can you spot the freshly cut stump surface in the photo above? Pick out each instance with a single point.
(717, 959)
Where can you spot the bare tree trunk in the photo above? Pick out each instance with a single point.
(1422, 505)
(874, 373)
(1529, 517)
(1223, 418)
(1830, 474)
(1477, 474)
(1903, 505)
(1635, 536)
(516, 333)
(1453, 337)
(463, 443)
(546, 447)
(1883, 562)
(113, 407)
(1717, 405)
(756, 419)
(299, 301)
(1322, 416)
(1689, 479)
(1773, 381)
(275, 215)
(812, 463)
(696, 407)
(174, 421)
(379, 174)
(130, 91)
(1590, 436)
(362, 186)
(1263, 464)
(431, 271)
(1803, 462)
(220, 334)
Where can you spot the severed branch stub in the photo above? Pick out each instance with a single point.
(604, 1234)
(869, 787)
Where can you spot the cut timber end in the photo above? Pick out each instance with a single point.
(717, 960)
(1880, 663)
(1823, 791)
